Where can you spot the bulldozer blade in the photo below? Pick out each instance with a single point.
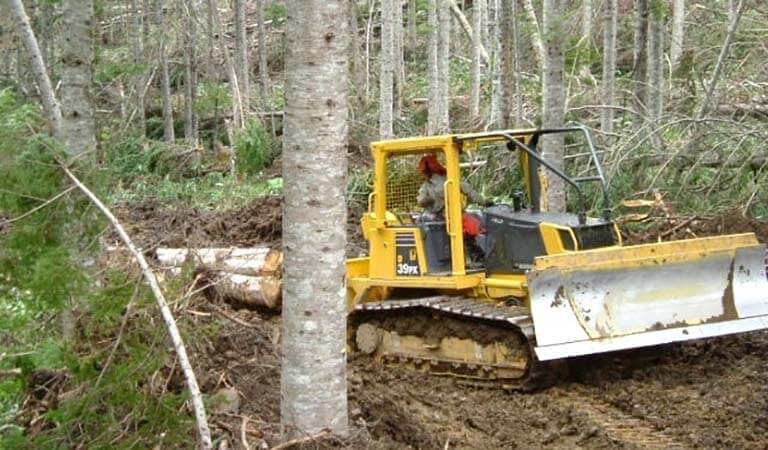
(619, 298)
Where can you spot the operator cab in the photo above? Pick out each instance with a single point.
(514, 232)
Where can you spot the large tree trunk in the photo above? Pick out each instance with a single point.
(678, 33)
(169, 133)
(432, 66)
(609, 65)
(386, 69)
(553, 108)
(190, 73)
(639, 69)
(314, 388)
(444, 66)
(242, 69)
(50, 105)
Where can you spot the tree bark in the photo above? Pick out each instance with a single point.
(242, 68)
(466, 27)
(508, 61)
(477, 16)
(263, 55)
(553, 108)
(169, 134)
(386, 69)
(411, 35)
(639, 69)
(444, 66)
(609, 65)
(51, 107)
(314, 388)
(497, 88)
(678, 33)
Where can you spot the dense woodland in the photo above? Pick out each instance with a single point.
(195, 122)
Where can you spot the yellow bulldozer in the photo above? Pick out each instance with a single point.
(545, 287)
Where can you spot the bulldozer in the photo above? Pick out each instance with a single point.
(547, 286)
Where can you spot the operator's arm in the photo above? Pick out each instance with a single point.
(473, 196)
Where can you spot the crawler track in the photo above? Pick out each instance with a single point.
(485, 345)
(616, 424)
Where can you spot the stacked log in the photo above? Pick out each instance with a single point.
(248, 276)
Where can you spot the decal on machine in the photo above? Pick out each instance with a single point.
(406, 259)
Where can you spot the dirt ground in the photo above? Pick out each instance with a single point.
(704, 394)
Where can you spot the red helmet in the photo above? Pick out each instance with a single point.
(429, 165)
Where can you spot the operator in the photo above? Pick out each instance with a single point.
(431, 197)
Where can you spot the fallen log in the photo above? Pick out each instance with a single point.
(246, 290)
(254, 261)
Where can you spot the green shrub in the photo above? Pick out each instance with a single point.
(254, 148)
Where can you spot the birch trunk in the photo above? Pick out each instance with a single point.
(190, 73)
(50, 105)
(477, 42)
(238, 109)
(516, 67)
(507, 61)
(314, 388)
(78, 127)
(169, 134)
(639, 69)
(263, 55)
(678, 33)
(553, 108)
(137, 46)
(242, 69)
(386, 69)
(432, 65)
(609, 65)
(444, 66)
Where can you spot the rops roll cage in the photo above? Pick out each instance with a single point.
(574, 182)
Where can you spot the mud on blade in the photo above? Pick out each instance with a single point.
(625, 297)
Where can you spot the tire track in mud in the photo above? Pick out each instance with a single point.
(615, 423)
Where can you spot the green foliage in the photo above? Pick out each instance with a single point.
(359, 186)
(212, 97)
(128, 159)
(254, 148)
(277, 12)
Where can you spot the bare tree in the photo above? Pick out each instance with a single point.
(432, 67)
(78, 127)
(137, 45)
(263, 54)
(314, 388)
(586, 22)
(397, 53)
(242, 68)
(609, 65)
(190, 72)
(478, 12)
(678, 32)
(386, 67)
(169, 133)
(444, 66)
(553, 103)
(655, 81)
(539, 52)
(640, 63)
(497, 88)
(50, 105)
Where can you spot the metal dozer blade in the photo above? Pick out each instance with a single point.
(626, 297)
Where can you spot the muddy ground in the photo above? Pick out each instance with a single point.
(705, 394)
